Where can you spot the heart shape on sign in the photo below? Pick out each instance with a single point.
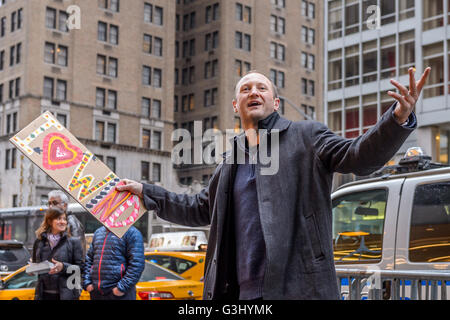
(59, 153)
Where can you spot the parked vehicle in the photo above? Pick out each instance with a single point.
(398, 220)
(190, 265)
(13, 255)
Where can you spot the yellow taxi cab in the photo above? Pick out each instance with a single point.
(190, 265)
(20, 286)
(156, 283)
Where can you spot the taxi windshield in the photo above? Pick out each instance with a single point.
(358, 223)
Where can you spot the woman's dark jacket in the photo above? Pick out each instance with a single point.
(114, 262)
(294, 206)
(69, 252)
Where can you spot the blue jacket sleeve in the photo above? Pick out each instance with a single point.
(135, 260)
(87, 280)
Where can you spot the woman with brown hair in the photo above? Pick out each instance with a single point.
(55, 244)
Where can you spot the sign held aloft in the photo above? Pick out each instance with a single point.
(73, 167)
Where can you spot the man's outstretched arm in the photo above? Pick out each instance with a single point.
(372, 150)
(183, 209)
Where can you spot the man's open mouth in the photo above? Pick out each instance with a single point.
(254, 104)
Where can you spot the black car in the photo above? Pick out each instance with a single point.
(13, 255)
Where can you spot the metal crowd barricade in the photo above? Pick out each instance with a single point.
(375, 284)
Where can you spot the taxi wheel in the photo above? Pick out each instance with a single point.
(15, 298)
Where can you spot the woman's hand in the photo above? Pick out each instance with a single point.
(90, 288)
(57, 268)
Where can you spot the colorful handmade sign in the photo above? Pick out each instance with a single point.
(72, 166)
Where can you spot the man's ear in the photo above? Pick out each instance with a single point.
(235, 106)
(276, 104)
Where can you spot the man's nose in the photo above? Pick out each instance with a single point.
(254, 91)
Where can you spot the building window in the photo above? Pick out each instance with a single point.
(156, 109)
(279, 3)
(111, 163)
(153, 45)
(50, 18)
(308, 35)
(277, 51)
(146, 75)
(433, 56)
(277, 78)
(211, 69)
(55, 54)
(105, 131)
(243, 13)
(212, 13)
(388, 57)
(49, 89)
(370, 63)
(308, 9)
(352, 66)
(145, 171)
(212, 41)
(14, 201)
(56, 20)
(62, 118)
(308, 61)
(351, 17)
(335, 69)
(277, 24)
(61, 90)
(406, 9)
(369, 111)
(243, 41)
(156, 140)
(2, 26)
(11, 123)
(111, 5)
(308, 87)
(406, 51)
(157, 78)
(146, 138)
(334, 19)
(107, 66)
(14, 88)
(12, 51)
(145, 107)
(2, 59)
(103, 35)
(156, 172)
(106, 98)
(10, 159)
(153, 14)
(211, 97)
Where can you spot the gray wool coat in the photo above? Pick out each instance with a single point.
(294, 206)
